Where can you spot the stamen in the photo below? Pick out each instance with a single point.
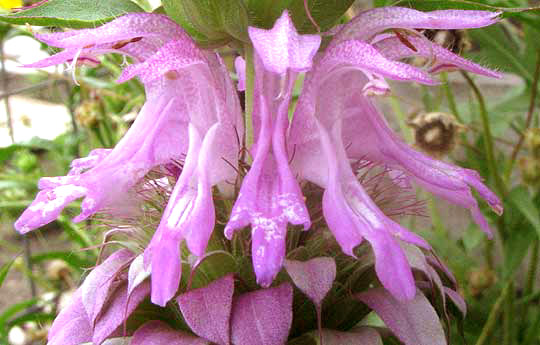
(73, 66)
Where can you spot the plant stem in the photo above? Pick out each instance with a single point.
(508, 316)
(250, 94)
(450, 97)
(488, 138)
(530, 112)
(402, 120)
(494, 314)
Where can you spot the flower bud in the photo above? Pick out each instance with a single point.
(481, 279)
(88, 113)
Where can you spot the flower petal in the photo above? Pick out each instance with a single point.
(127, 27)
(269, 197)
(359, 55)
(172, 56)
(367, 24)
(441, 59)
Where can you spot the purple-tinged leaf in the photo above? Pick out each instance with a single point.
(362, 336)
(414, 322)
(159, 333)
(137, 273)
(118, 310)
(76, 331)
(262, 317)
(313, 277)
(74, 310)
(114, 341)
(207, 310)
(95, 289)
(415, 257)
(457, 300)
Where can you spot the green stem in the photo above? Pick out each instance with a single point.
(494, 315)
(528, 121)
(508, 316)
(450, 97)
(488, 138)
(250, 86)
(402, 120)
(532, 333)
(533, 266)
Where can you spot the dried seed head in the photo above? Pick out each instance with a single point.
(435, 133)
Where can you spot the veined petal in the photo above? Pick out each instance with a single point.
(440, 58)
(367, 24)
(174, 55)
(270, 197)
(281, 47)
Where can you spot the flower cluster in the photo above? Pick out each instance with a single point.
(192, 114)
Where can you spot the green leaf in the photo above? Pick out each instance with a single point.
(234, 18)
(76, 234)
(175, 10)
(521, 199)
(73, 13)
(14, 309)
(516, 248)
(500, 51)
(263, 13)
(4, 271)
(33, 144)
(325, 13)
(70, 258)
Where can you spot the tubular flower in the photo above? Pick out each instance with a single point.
(191, 111)
(270, 196)
(336, 119)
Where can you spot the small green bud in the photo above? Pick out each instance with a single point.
(532, 141)
(530, 170)
(88, 113)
